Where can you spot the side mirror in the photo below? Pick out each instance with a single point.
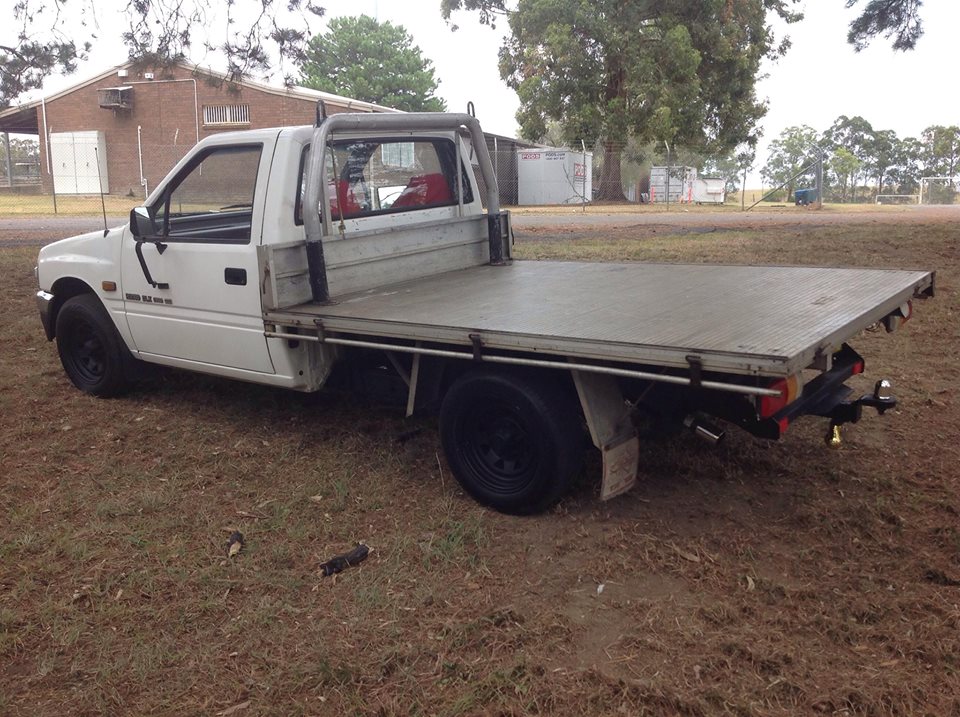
(141, 224)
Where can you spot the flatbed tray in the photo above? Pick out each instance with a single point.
(753, 320)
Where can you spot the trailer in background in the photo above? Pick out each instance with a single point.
(709, 190)
(554, 176)
(685, 187)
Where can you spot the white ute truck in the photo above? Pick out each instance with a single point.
(359, 251)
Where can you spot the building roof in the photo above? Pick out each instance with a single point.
(22, 118)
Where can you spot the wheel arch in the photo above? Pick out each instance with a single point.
(542, 407)
(63, 289)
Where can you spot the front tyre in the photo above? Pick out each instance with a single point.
(91, 351)
(513, 442)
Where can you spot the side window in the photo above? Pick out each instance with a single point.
(367, 178)
(213, 200)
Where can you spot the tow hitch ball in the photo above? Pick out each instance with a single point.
(881, 399)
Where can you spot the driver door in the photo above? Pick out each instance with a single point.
(191, 294)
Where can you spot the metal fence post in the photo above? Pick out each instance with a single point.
(6, 147)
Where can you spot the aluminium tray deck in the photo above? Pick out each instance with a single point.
(765, 320)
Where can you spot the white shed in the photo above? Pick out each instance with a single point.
(709, 190)
(79, 162)
(554, 176)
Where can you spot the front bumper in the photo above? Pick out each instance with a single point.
(45, 305)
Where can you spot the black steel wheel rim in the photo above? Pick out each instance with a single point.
(499, 449)
(87, 354)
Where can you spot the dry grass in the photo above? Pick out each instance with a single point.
(42, 204)
(755, 579)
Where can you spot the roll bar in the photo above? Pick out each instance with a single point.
(315, 190)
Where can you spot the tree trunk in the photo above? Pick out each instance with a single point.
(611, 184)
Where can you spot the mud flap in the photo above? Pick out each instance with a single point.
(612, 431)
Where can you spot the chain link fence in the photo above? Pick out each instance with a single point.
(82, 174)
(70, 178)
(545, 176)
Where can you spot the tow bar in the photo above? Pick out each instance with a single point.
(851, 411)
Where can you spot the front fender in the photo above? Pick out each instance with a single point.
(88, 263)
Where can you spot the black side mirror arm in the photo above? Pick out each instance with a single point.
(161, 247)
(142, 226)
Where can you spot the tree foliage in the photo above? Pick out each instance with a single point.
(845, 165)
(44, 38)
(862, 159)
(680, 71)
(791, 158)
(373, 61)
(856, 137)
(898, 20)
(942, 150)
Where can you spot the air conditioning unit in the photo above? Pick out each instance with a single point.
(123, 73)
(148, 75)
(115, 98)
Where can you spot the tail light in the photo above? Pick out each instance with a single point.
(788, 389)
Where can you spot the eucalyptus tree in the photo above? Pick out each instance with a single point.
(791, 158)
(681, 72)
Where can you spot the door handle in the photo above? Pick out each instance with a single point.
(234, 276)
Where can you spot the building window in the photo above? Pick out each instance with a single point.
(397, 154)
(226, 114)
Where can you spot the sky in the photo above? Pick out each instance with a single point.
(820, 78)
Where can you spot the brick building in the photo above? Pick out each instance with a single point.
(125, 129)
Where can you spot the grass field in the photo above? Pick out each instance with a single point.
(41, 204)
(753, 579)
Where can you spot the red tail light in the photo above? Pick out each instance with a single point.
(789, 390)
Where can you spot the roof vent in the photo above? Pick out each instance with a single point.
(115, 98)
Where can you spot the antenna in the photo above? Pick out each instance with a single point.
(471, 110)
(103, 204)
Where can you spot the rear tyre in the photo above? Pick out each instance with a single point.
(513, 442)
(91, 351)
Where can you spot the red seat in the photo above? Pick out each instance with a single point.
(346, 195)
(424, 190)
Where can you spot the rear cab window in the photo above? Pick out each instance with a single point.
(375, 177)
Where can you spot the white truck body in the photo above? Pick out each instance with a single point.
(408, 264)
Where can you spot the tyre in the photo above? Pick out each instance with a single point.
(512, 441)
(91, 351)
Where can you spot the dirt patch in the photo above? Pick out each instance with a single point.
(752, 579)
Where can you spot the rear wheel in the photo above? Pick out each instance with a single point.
(512, 442)
(91, 350)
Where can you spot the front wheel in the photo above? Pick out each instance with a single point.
(512, 442)
(91, 350)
